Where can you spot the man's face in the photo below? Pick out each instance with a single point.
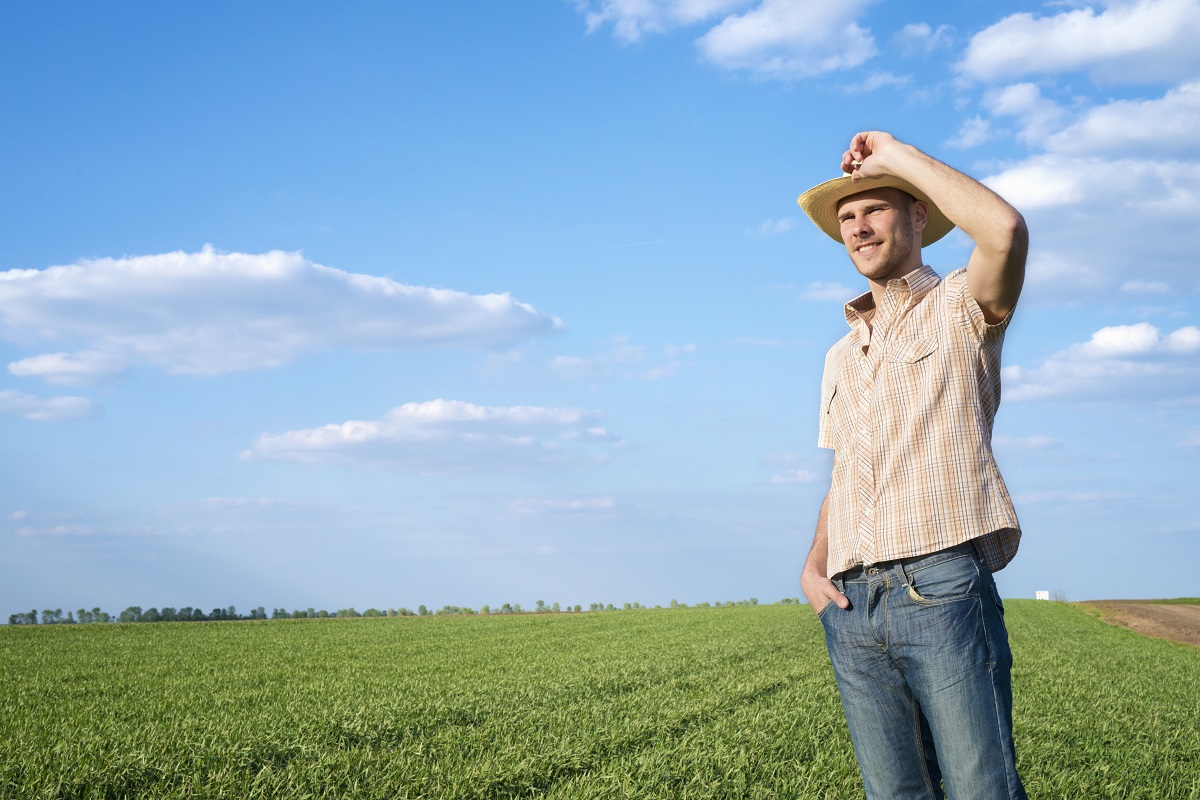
(880, 229)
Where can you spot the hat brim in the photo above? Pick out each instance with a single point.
(821, 204)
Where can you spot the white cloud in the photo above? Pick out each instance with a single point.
(773, 38)
(773, 227)
(822, 291)
(210, 313)
(1074, 498)
(623, 359)
(920, 39)
(1124, 128)
(972, 133)
(1118, 362)
(445, 436)
(1038, 116)
(789, 39)
(1125, 41)
(44, 409)
(880, 80)
(676, 350)
(632, 19)
(794, 476)
(1097, 223)
(584, 505)
(1034, 442)
(762, 341)
(1145, 287)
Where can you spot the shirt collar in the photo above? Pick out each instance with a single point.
(905, 291)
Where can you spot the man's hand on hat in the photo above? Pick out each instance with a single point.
(862, 160)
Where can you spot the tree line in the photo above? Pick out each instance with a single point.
(189, 614)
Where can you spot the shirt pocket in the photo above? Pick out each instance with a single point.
(912, 351)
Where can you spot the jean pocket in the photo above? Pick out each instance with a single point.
(825, 608)
(944, 582)
(996, 597)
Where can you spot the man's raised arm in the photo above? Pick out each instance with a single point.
(996, 269)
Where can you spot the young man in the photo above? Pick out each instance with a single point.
(917, 517)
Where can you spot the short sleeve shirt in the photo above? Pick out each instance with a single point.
(907, 405)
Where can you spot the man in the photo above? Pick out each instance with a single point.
(917, 517)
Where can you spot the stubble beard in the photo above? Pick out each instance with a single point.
(896, 251)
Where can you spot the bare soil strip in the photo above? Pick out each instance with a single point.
(1164, 621)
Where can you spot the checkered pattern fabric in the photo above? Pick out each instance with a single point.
(907, 405)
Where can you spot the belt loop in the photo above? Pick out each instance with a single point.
(901, 573)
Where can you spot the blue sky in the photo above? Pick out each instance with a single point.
(466, 303)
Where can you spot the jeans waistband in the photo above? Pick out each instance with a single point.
(856, 573)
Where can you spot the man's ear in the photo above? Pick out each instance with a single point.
(920, 216)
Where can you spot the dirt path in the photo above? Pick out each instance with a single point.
(1162, 620)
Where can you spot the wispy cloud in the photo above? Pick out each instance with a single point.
(972, 133)
(780, 39)
(794, 476)
(210, 313)
(822, 291)
(773, 227)
(1125, 42)
(919, 38)
(1032, 442)
(624, 359)
(633, 19)
(1118, 362)
(44, 409)
(447, 436)
(578, 505)
(786, 39)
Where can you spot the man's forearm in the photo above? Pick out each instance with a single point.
(814, 579)
(818, 554)
(996, 270)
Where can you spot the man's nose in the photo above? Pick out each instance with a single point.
(859, 227)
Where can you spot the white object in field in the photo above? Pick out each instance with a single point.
(1043, 595)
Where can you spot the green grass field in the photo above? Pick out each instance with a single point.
(690, 703)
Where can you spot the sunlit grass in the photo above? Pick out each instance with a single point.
(703, 703)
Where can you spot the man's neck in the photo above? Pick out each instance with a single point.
(879, 287)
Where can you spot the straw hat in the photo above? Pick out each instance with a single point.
(821, 204)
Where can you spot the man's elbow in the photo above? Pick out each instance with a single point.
(1011, 237)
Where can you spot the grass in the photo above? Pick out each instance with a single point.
(732, 702)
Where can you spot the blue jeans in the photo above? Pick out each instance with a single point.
(923, 665)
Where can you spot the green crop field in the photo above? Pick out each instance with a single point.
(691, 703)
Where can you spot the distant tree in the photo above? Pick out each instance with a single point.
(578, 607)
(485, 610)
(372, 612)
(279, 613)
(131, 614)
(541, 607)
(554, 607)
(516, 608)
(323, 614)
(422, 611)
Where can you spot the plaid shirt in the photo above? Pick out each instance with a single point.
(910, 421)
